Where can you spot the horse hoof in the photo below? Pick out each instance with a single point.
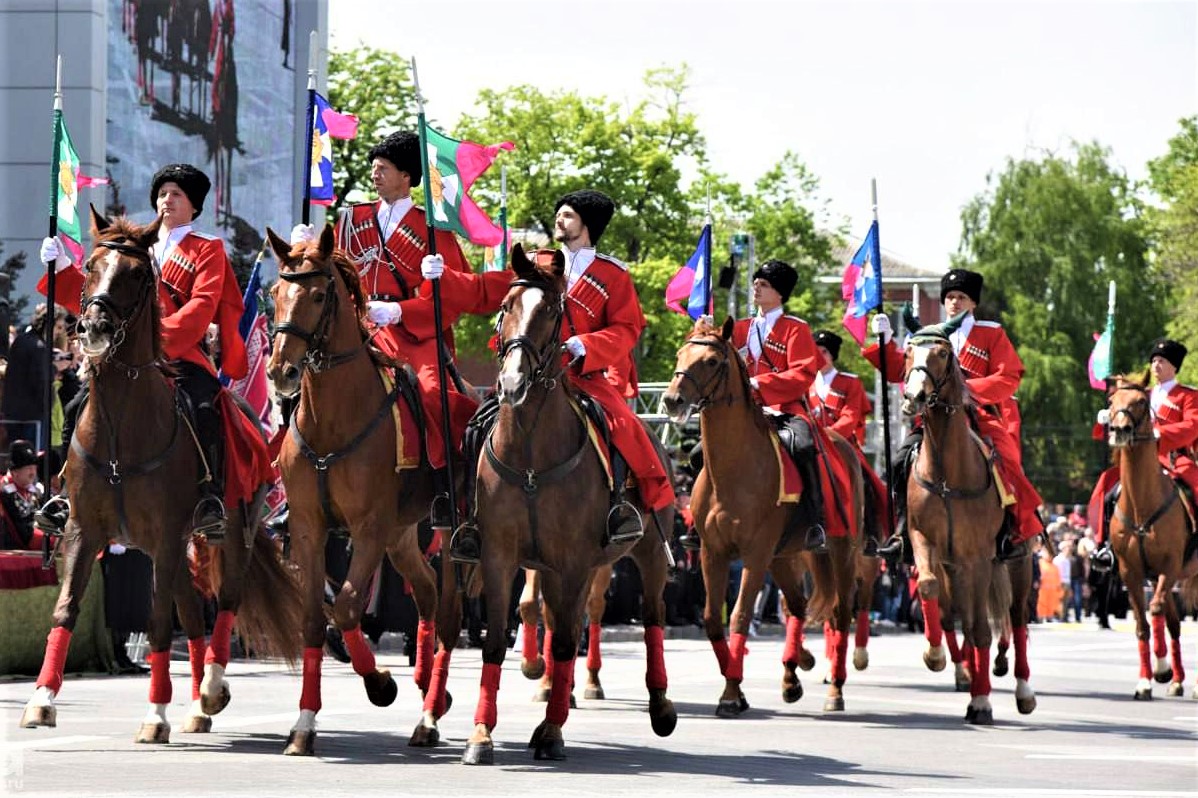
(424, 736)
(861, 658)
(1175, 690)
(664, 718)
(533, 669)
(1026, 705)
(33, 717)
(213, 706)
(1001, 665)
(300, 743)
(537, 734)
(731, 708)
(481, 753)
(1143, 695)
(793, 693)
(155, 733)
(380, 688)
(1163, 677)
(834, 704)
(935, 660)
(806, 660)
(541, 696)
(197, 724)
(448, 703)
(594, 693)
(963, 684)
(970, 714)
(983, 717)
(573, 702)
(553, 750)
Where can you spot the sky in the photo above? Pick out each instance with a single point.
(926, 97)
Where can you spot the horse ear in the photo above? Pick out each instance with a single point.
(280, 247)
(327, 241)
(559, 263)
(520, 262)
(148, 235)
(100, 223)
(726, 331)
(1146, 380)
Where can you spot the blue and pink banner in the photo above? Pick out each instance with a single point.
(861, 286)
(693, 281)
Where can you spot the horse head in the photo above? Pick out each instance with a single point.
(120, 286)
(701, 374)
(932, 376)
(312, 278)
(530, 324)
(1130, 411)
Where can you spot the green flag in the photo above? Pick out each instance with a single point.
(453, 167)
(65, 188)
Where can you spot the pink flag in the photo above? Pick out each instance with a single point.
(856, 325)
(339, 125)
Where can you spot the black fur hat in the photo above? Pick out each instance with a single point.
(594, 208)
(402, 149)
(1172, 351)
(194, 183)
(830, 341)
(963, 280)
(20, 454)
(780, 274)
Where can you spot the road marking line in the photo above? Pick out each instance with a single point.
(1053, 792)
(1186, 759)
(43, 742)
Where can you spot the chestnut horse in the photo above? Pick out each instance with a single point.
(954, 512)
(1149, 532)
(132, 475)
(542, 502)
(737, 514)
(339, 465)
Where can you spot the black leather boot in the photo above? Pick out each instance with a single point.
(52, 517)
(811, 504)
(208, 519)
(624, 524)
(466, 544)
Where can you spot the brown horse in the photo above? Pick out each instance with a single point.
(132, 475)
(339, 465)
(542, 502)
(737, 514)
(954, 511)
(1149, 533)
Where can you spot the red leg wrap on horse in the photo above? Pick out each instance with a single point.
(196, 649)
(160, 677)
(594, 658)
(425, 633)
(528, 642)
(1145, 660)
(55, 660)
(794, 641)
(840, 656)
(488, 689)
(547, 649)
(950, 641)
(1179, 672)
(829, 646)
(967, 654)
(1158, 636)
(310, 696)
(559, 695)
(1004, 642)
(434, 699)
(737, 650)
(861, 636)
(981, 671)
(931, 619)
(360, 654)
(720, 647)
(1023, 669)
(218, 646)
(655, 658)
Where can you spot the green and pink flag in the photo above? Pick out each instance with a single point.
(453, 167)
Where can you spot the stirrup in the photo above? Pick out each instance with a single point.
(816, 539)
(870, 547)
(1008, 551)
(208, 519)
(439, 516)
(892, 548)
(624, 524)
(690, 541)
(52, 517)
(466, 546)
(1102, 559)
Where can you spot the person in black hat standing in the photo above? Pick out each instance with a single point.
(993, 372)
(197, 288)
(20, 495)
(387, 240)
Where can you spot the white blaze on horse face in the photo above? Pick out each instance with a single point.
(915, 377)
(510, 375)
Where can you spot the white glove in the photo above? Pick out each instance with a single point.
(432, 266)
(575, 346)
(753, 384)
(302, 234)
(51, 252)
(1104, 416)
(880, 325)
(116, 548)
(384, 312)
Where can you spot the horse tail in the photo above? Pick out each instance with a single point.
(1189, 593)
(270, 617)
(822, 603)
(1000, 599)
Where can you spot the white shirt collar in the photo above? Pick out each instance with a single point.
(760, 329)
(168, 240)
(1159, 392)
(823, 382)
(391, 214)
(577, 263)
(962, 334)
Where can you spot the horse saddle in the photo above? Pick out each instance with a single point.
(1111, 500)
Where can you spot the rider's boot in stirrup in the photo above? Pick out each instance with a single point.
(208, 519)
(624, 524)
(52, 517)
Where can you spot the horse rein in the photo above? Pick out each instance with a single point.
(315, 358)
(719, 377)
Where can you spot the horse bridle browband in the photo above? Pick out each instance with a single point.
(315, 358)
(719, 377)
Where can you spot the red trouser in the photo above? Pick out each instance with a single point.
(628, 435)
(1010, 467)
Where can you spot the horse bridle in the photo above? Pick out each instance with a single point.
(1137, 436)
(122, 320)
(546, 361)
(933, 400)
(315, 358)
(707, 389)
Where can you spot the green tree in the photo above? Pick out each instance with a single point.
(1174, 226)
(12, 268)
(1048, 234)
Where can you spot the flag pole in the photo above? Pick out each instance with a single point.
(306, 210)
(51, 280)
(708, 306)
(442, 360)
(876, 256)
(503, 211)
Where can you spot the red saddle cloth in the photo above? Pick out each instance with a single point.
(839, 520)
(247, 454)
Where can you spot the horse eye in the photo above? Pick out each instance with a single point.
(319, 297)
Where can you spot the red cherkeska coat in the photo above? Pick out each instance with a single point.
(391, 273)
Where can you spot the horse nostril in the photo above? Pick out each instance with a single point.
(290, 372)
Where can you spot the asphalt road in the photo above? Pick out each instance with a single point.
(902, 731)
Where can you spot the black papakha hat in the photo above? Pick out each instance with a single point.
(830, 341)
(402, 149)
(780, 274)
(1170, 350)
(963, 280)
(594, 208)
(191, 181)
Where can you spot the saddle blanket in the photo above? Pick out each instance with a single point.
(407, 433)
(790, 487)
(598, 442)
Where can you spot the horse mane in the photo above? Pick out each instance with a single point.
(703, 329)
(122, 227)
